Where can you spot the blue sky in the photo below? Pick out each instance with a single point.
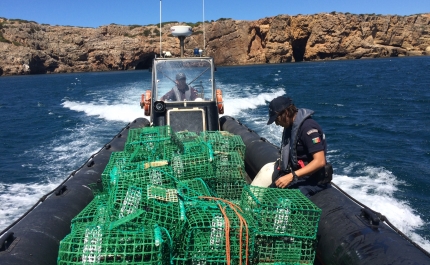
(95, 13)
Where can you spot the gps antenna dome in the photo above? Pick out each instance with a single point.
(181, 32)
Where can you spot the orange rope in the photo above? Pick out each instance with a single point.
(242, 220)
(227, 234)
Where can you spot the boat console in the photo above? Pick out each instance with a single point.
(184, 94)
(193, 105)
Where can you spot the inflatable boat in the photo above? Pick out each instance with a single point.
(347, 232)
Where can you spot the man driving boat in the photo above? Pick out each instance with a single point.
(181, 91)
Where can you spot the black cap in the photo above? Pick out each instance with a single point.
(276, 106)
(180, 76)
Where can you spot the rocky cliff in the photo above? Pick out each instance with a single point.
(30, 48)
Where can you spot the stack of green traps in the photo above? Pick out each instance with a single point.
(287, 224)
(181, 198)
(216, 231)
(123, 245)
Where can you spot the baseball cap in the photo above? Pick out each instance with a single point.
(276, 106)
(180, 76)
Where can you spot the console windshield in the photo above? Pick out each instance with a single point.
(184, 79)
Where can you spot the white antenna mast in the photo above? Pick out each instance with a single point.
(161, 53)
(204, 29)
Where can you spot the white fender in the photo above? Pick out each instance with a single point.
(264, 176)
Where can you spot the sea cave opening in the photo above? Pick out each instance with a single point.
(145, 62)
(299, 49)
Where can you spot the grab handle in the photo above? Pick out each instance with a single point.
(371, 216)
(6, 240)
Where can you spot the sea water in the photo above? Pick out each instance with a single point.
(375, 114)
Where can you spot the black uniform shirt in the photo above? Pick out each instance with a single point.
(311, 140)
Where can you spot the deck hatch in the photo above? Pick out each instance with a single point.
(192, 120)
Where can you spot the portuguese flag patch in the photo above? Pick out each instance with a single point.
(316, 140)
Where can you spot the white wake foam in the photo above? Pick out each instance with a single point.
(118, 112)
(234, 106)
(17, 198)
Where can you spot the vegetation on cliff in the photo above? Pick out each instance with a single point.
(27, 47)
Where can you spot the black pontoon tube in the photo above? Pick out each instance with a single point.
(35, 237)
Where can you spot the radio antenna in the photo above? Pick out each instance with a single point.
(204, 30)
(161, 53)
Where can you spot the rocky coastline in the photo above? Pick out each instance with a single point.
(28, 47)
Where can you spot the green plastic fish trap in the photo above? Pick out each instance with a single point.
(151, 150)
(121, 163)
(148, 205)
(284, 212)
(186, 137)
(237, 144)
(116, 159)
(192, 189)
(169, 214)
(97, 188)
(230, 190)
(127, 200)
(132, 245)
(218, 138)
(222, 141)
(150, 143)
(215, 234)
(284, 250)
(149, 133)
(196, 148)
(137, 175)
(96, 212)
(192, 165)
(128, 167)
(136, 167)
(229, 167)
(229, 177)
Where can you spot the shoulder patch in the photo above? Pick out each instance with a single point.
(316, 140)
(312, 131)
